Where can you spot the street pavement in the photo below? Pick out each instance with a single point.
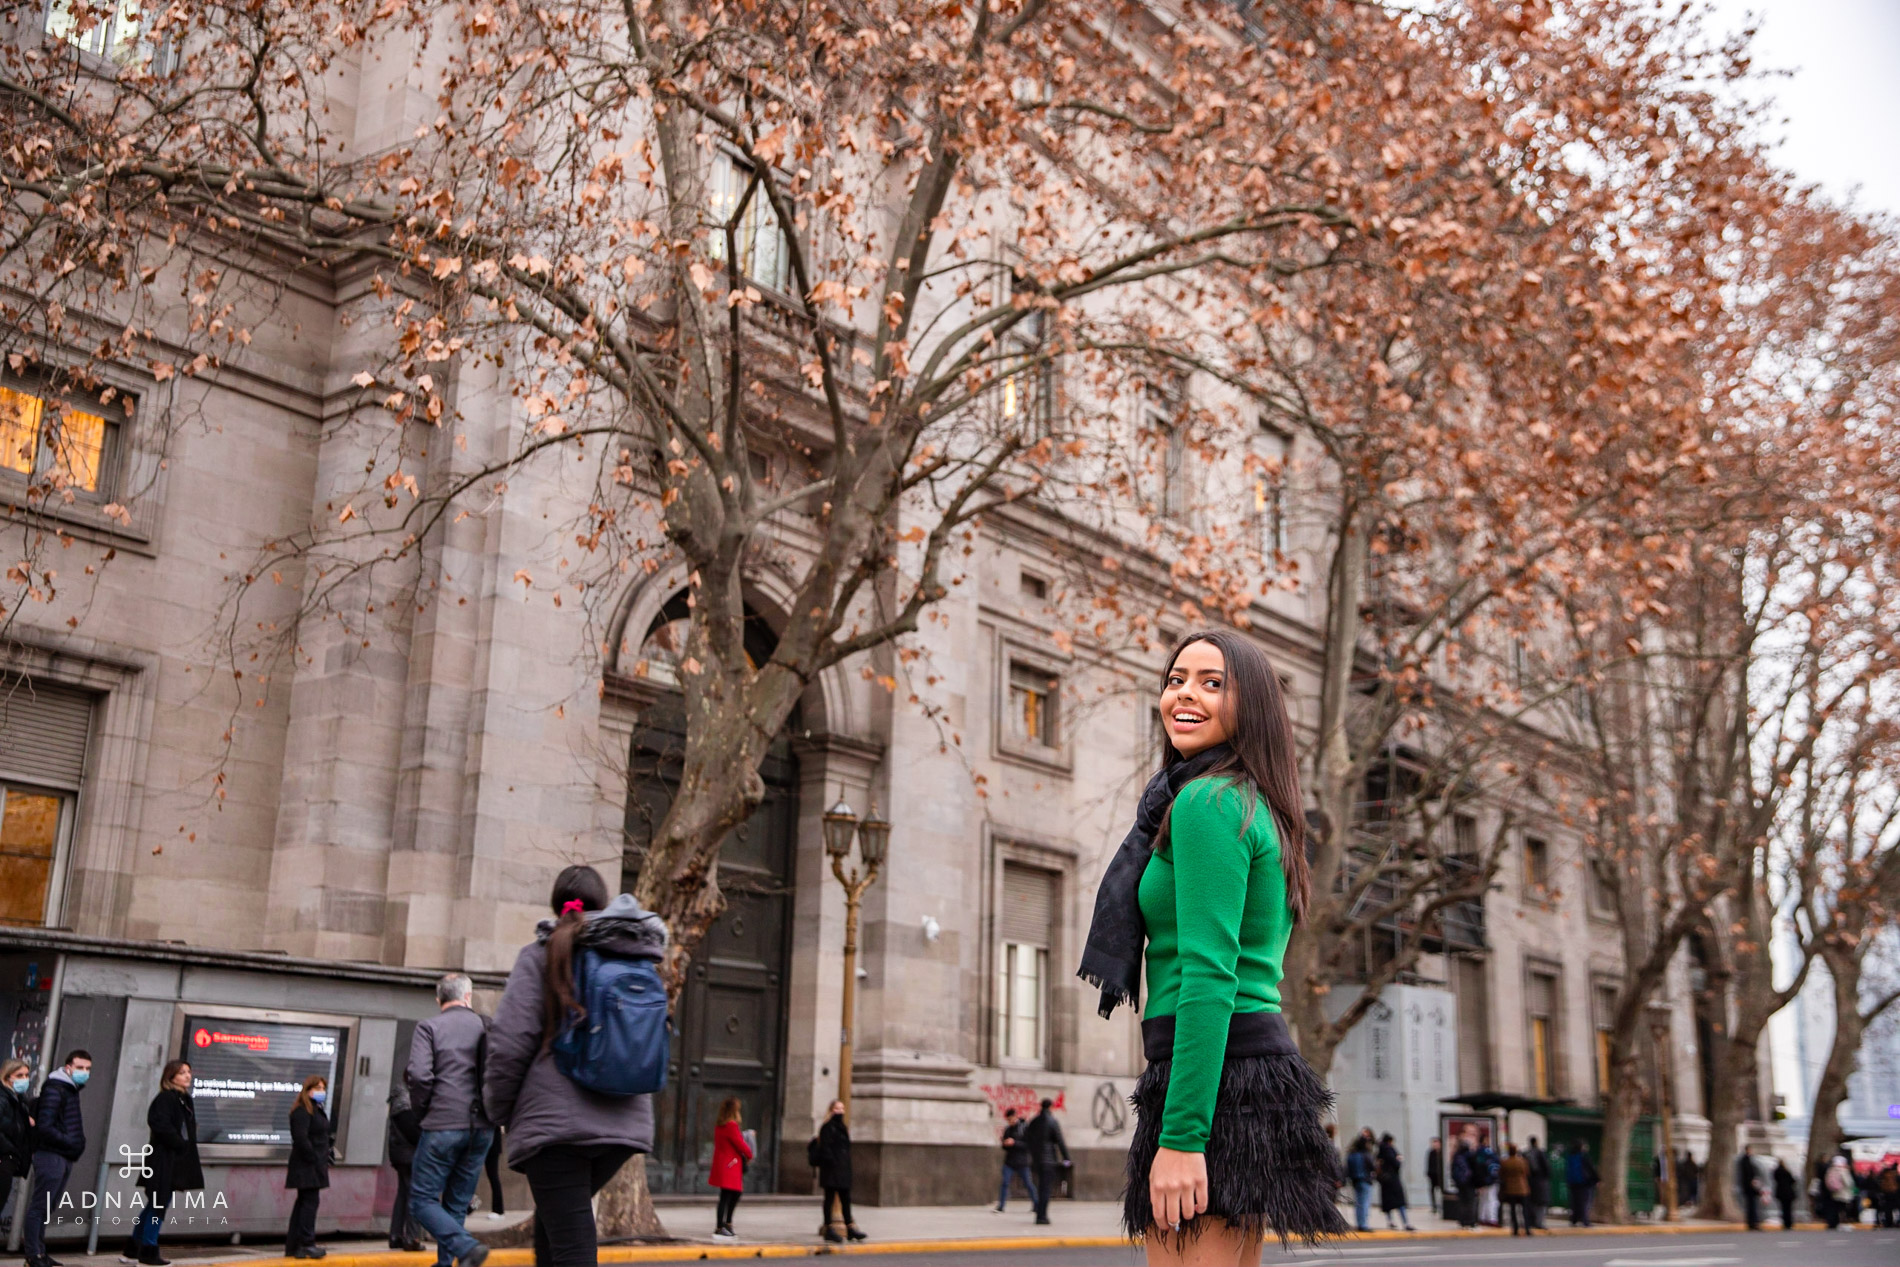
(1863, 1247)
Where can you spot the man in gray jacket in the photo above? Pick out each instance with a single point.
(445, 1084)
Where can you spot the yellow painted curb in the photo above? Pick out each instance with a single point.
(687, 1252)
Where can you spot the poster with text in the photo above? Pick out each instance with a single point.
(246, 1075)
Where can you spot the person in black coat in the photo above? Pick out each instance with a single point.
(403, 1133)
(1785, 1190)
(1050, 1153)
(309, 1169)
(16, 1123)
(1748, 1186)
(1435, 1172)
(831, 1152)
(171, 1166)
(1539, 1200)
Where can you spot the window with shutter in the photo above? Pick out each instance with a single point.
(1025, 926)
(44, 731)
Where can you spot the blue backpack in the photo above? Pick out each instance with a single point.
(620, 1047)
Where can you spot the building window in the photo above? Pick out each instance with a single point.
(54, 442)
(1033, 700)
(33, 825)
(764, 255)
(45, 729)
(1601, 882)
(1028, 396)
(1269, 487)
(1033, 586)
(1173, 470)
(1464, 836)
(1474, 1025)
(1541, 991)
(1536, 867)
(117, 32)
(1605, 1017)
(1026, 923)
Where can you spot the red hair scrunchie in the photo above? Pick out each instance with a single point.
(572, 905)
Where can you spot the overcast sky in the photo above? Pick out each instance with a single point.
(1842, 106)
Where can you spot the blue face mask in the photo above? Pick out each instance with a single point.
(81, 1076)
(20, 1085)
(318, 1097)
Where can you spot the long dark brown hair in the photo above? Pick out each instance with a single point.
(580, 885)
(1261, 738)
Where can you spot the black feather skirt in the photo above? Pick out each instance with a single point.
(1270, 1166)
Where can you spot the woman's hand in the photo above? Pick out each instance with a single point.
(1177, 1187)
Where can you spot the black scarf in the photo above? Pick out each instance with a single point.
(1111, 958)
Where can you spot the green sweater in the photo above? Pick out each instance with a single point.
(1218, 923)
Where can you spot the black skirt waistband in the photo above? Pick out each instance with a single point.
(1248, 1034)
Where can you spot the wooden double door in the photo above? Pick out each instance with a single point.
(729, 1028)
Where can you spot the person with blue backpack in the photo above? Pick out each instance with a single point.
(577, 1049)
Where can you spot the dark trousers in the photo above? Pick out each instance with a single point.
(1433, 1191)
(302, 1232)
(843, 1197)
(1046, 1180)
(402, 1224)
(1534, 1211)
(564, 1179)
(151, 1220)
(493, 1166)
(1787, 1214)
(50, 1171)
(1515, 1205)
(728, 1202)
(1581, 1198)
(1751, 1208)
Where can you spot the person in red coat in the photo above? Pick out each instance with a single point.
(731, 1152)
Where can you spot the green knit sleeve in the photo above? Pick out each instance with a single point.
(1211, 866)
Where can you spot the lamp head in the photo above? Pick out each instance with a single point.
(841, 823)
(874, 837)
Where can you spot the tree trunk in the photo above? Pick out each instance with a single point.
(1619, 1120)
(624, 1209)
(1737, 1068)
(1824, 1121)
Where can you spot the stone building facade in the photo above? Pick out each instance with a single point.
(402, 788)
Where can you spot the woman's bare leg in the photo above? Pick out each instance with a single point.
(1217, 1246)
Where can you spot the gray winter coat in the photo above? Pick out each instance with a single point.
(522, 1089)
(445, 1061)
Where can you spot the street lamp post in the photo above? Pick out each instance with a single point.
(873, 835)
(1659, 1032)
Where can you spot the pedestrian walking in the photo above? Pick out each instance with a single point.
(1392, 1182)
(311, 1155)
(830, 1153)
(445, 1086)
(1464, 1190)
(1359, 1166)
(566, 1138)
(1537, 1202)
(400, 1136)
(1886, 1187)
(1785, 1190)
(731, 1155)
(59, 1140)
(1210, 882)
(1016, 1161)
(1748, 1184)
(1581, 1174)
(1688, 1179)
(16, 1124)
(1842, 1203)
(1486, 1165)
(1435, 1174)
(1514, 1188)
(1049, 1153)
(172, 1165)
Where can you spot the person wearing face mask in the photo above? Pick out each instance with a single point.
(172, 1166)
(16, 1124)
(61, 1139)
(309, 1170)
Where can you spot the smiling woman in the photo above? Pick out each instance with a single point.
(1228, 1142)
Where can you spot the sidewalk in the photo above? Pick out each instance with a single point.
(778, 1227)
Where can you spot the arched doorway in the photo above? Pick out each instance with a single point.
(729, 1035)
